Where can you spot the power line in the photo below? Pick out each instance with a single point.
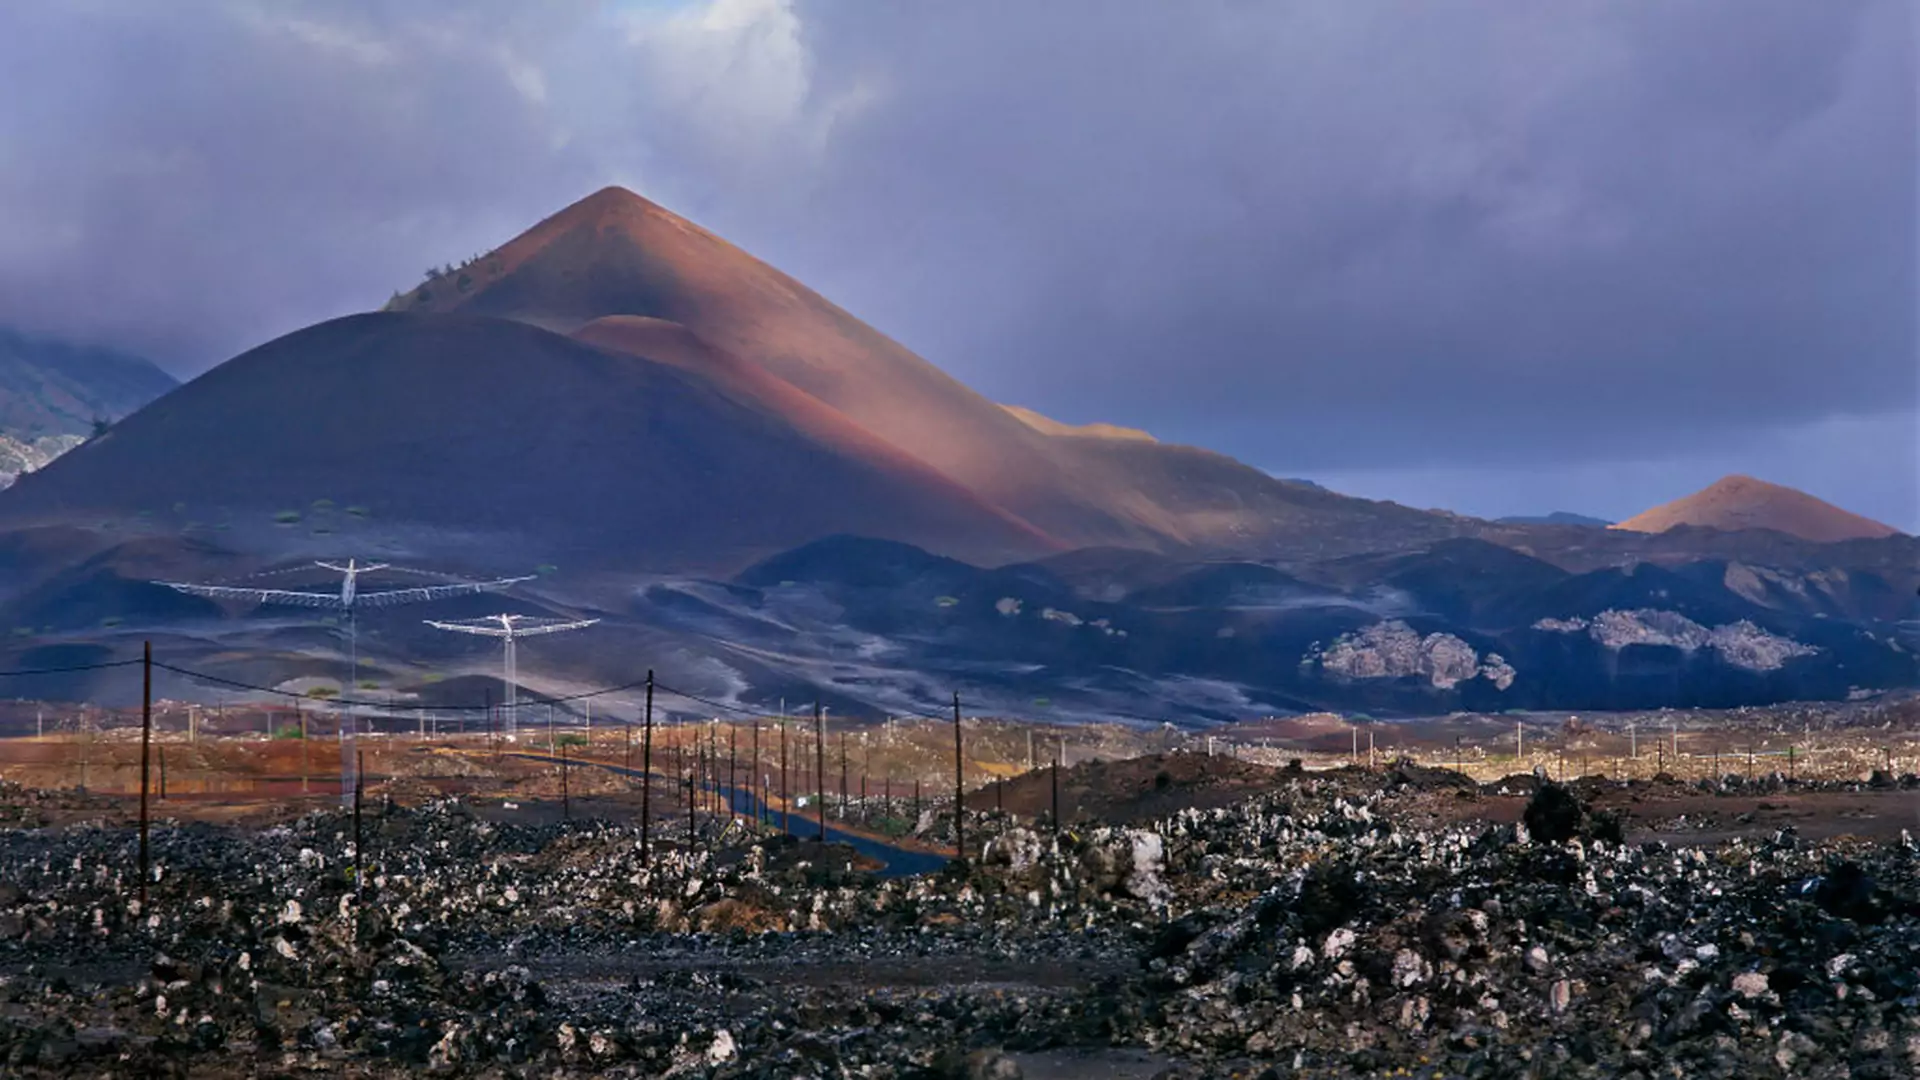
(256, 688)
(71, 669)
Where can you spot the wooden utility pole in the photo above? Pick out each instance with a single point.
(146, 742)
(959, 788)
(306, 750)
(359, 850)
(820, 765)
(646, 769)
(1056, 789)
(786, 805)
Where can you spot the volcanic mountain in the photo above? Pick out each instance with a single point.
(1741, 502)
(441, 431)
(614, 254)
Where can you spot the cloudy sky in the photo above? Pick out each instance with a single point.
(1498, 257)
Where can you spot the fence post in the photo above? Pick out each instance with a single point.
(959, 788)
(1056, 789)
(820, 765)
(646, 769)
(146, 742)
(359, 848)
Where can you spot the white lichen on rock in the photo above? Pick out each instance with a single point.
(1740, 644)
(1394, 650)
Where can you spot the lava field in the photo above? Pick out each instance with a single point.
(1349, 923)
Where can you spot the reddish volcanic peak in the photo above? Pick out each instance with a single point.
(1742, 502)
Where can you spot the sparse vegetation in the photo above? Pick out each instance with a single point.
(369, 684)
(323, 693)
(287, 731)
(570, 739)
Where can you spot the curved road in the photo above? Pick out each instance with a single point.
(898, 861)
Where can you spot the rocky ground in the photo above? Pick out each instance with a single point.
(1401, 921)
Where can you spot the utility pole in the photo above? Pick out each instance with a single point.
(820, 765)
(306, 758)
(786, 803)
(146, 742)
(1519, 742)
(733, 768)
(959, 788)
(359, 851)
(1633, 742)
(843, 777)
(754, 778)
(646, 769)
(1056, 789)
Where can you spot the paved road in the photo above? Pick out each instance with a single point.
(899, 861)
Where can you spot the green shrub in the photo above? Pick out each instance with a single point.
(369, 684)
(570, 740)
(287, 731)
(324, 692)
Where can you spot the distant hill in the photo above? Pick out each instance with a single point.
(1742, 502)
(52, 393)
(1558, 517)
(54, 388)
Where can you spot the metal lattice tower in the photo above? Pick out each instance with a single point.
(348, 600)
(509, 629)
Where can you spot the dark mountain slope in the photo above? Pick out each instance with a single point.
(464, 426)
